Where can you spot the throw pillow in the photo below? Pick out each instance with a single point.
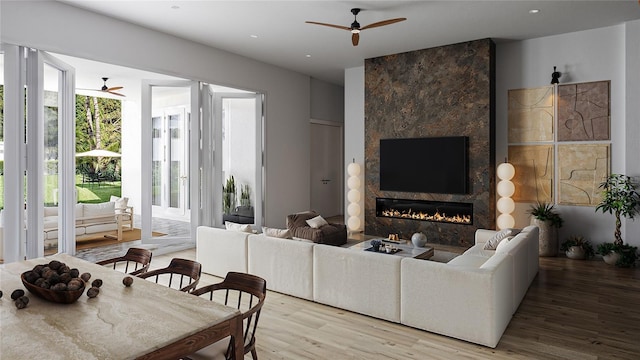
(317, 222)
(493, 242)
(238, 227)
(121, 202)
(503, 244)
(279, 233)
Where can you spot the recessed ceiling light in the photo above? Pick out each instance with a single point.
(534, 11)
(253, 36)
(308, 55)
(175, 7)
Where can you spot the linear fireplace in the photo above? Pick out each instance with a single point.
(425, 210)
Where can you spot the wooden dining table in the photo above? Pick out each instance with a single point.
(143, 321)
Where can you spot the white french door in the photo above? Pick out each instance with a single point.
(170, 149)
(43, 141)
(238, 153)
(170, 153)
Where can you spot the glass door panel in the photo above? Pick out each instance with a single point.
(51, 126)
(157, 160)
(239, 118)
(170, 162)
(167, 152)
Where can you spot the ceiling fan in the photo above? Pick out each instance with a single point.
(105, 88)
(355, 27)
(110, 90)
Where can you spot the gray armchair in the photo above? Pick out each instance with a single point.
(330, 234)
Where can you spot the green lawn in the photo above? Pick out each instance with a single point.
(87, 193)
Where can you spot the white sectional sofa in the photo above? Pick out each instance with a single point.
(472, 298)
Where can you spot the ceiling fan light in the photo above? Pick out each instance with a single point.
(355, 31)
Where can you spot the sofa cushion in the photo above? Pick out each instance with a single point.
(317, 222)
(96, 228)
(493, 242)
(478, 250)
(286, 265)
(503, 246)
(468, 261)
(98, 210)
(50, 211)
(356, 280)
(220, 251)
(278, 233)
(238, 227)
(50, 222)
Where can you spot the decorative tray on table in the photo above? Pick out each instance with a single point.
(393, 251)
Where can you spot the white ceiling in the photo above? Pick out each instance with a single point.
(283, 38)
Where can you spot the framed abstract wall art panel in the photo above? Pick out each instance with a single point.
(584, 111)
(530, 115)
(534, 172)
(581, 169)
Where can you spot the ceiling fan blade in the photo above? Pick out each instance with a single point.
(383, 23)
(115, 88)
(115, 93)
(355, 38)
(329, 25)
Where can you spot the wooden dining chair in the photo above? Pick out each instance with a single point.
(177, 274)
(135, 258)
(245, 292)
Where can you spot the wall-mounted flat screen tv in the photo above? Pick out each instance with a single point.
(428, 165)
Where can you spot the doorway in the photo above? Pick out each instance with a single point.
(326, 168)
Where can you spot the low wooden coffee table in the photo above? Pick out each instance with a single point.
(406, 249)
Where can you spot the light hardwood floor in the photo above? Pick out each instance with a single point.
(573, 310)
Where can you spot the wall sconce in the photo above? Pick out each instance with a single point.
(555, 76)
(353, 183)
(505, 188)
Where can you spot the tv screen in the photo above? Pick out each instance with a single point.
(428, 165)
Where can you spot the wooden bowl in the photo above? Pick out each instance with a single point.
(61, 297)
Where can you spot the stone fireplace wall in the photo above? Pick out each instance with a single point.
(442, 91)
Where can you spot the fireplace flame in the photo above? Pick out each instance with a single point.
(410, 214)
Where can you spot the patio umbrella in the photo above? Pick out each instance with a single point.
(99, 153)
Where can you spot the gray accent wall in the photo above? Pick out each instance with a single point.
(436, 92)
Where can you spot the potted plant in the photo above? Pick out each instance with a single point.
(576, 247)
(548, 221)
(245, 195)
(620, 198)
(229, 196)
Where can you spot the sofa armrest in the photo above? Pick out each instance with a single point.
(469, 304)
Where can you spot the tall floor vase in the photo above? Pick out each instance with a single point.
(548, 245)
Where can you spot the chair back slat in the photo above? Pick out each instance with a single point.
(140, 259)
(183, 269)
(248, 292)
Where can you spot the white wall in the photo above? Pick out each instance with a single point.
(56, 27)
(354, 129)
(632, 132)
(584, 56)
(609, 53)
